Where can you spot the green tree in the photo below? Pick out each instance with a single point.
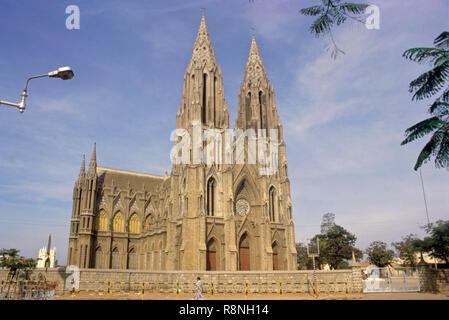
(331, 13)
(16, 264)
(437, 243)
(406, 249)
(336, 243)
(429, 84)
(379, 254)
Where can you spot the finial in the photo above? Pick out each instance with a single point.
(202, 11)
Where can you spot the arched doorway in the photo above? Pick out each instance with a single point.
(275, 256)
(211, 255)
(244, 257)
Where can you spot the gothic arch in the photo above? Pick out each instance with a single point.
(275, 248)
(211, 196)
(118, 222)
(245, 181)
(134, 223)
(279, 251)
(273, 204)
(244, 259)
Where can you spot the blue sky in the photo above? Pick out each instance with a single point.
(343, 119)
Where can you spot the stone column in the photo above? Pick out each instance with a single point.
(356, 284)
(427, 277)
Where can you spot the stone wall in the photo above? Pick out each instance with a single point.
(348, 280)
(433, 280)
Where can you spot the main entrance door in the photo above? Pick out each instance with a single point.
(211, 260)
(275, 261)
(244, 257)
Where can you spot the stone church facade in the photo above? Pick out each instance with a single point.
(203, 216)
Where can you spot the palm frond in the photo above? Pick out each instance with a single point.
(430, 82)
(354, 8)
(430, 148)
(442, 157)
(422, 128)
(425, 54)
(321, 25)
(442, 41)
(441, 104)
(312, 11)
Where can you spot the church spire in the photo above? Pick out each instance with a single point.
(255, 69)
(257, 106)
(82, 169)
(93, 161)
(203, 51)
(203, 94)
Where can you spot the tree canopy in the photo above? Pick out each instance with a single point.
(406, 250)
(15, 264)
(437, 243)
(379, 254)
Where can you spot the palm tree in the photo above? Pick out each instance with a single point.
(428, 84)
(333, 13)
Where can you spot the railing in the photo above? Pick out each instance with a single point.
(109, 288)
(27, 290)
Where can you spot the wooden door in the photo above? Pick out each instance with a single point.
(244, 259)
(211, 262)
(275, 261)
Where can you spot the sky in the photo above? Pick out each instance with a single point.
(344, 118)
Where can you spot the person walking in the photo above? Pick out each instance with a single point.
(199, 290)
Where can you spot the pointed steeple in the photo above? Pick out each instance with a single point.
(255, 69)
(82, 169)
(203, 51)
(93, 162)
(203, 94)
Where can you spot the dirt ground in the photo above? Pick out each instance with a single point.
(189, 296)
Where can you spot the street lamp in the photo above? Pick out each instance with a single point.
(64, 73)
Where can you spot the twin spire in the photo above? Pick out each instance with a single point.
(203, 52)
(92, 165)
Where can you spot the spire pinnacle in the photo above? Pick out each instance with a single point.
(93, 161)
(203, 51)
(83, 168)
(255, 69)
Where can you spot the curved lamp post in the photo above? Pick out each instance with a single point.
(64, 73)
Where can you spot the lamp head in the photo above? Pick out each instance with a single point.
(65, 73)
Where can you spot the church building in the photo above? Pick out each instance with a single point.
(223, 215)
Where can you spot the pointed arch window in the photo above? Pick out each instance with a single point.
(273, 204)
(134, 224)
(118, 223)
(101, 221)
(211, 195)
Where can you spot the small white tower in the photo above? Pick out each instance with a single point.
(43, 255)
